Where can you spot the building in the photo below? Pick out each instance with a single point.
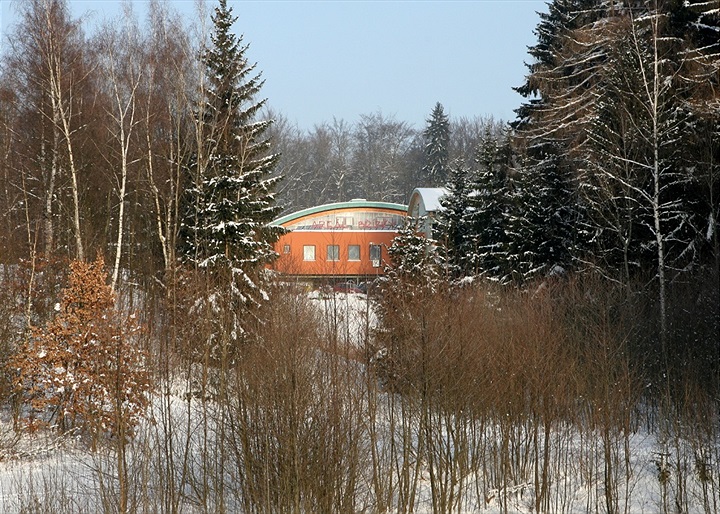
(425, 203)
(345, 240)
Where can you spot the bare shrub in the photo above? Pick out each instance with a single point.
(497, 378)
(604, 321)
(277, 425)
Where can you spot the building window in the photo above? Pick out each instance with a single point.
(286, 249)
(309, 252)
(333, 252)
(375, 255)
(354, 252)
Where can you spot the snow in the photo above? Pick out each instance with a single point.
(711, 228)
(40, 471)
(431, 197)
(55, 472)
(350, 315)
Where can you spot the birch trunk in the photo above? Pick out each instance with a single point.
(653, 89)
(50, 191)
(64, 113)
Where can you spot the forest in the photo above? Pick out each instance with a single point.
(554, 347)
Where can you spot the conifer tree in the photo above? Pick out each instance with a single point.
(703, 141)
(414, 259)
(548, 63)
(550, 132)
(606, 106)
(616, 105)
(452, 227)
(437, 140)
(226, 228)
(544, 226)
(486, 216)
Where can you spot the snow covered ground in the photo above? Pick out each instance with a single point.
(348, 315)
(586, 471)
(49, 476)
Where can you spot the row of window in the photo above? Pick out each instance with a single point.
(333, 252)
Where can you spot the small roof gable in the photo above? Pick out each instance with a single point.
(426, 200)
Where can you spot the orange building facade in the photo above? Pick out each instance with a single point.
(340, 240)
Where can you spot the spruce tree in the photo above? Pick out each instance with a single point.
(487, 203)
(233, 199)
(549, 138)
(414, 259)
(437, 140)
(702, 26)
(562, 17)
(452, 227)
(544, 225)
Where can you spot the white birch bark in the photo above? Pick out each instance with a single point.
(123, 61)
(62, 104)
(654, 87)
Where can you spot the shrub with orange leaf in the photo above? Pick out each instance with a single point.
(84, 369)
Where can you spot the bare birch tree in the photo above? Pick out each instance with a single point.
(46, 61)
(169, 94)
(63, 77)
(121, 62)
(648, 92)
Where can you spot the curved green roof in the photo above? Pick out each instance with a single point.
(352, 204)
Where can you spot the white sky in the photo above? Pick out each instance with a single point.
(325, 59)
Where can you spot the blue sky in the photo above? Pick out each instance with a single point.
(325, 59)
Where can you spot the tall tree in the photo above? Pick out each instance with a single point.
(437, 142)
(121, 62)
(49, 68)
(551, 131)
(468, 133)
(542, 221)
(612, 104)
(548, 64)
(10, 206)
(381, 150)
(488, 204)
(452, 228)
(703, 73)
(233, 196)
(62, 97)
(168, 97)
(656, 53)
